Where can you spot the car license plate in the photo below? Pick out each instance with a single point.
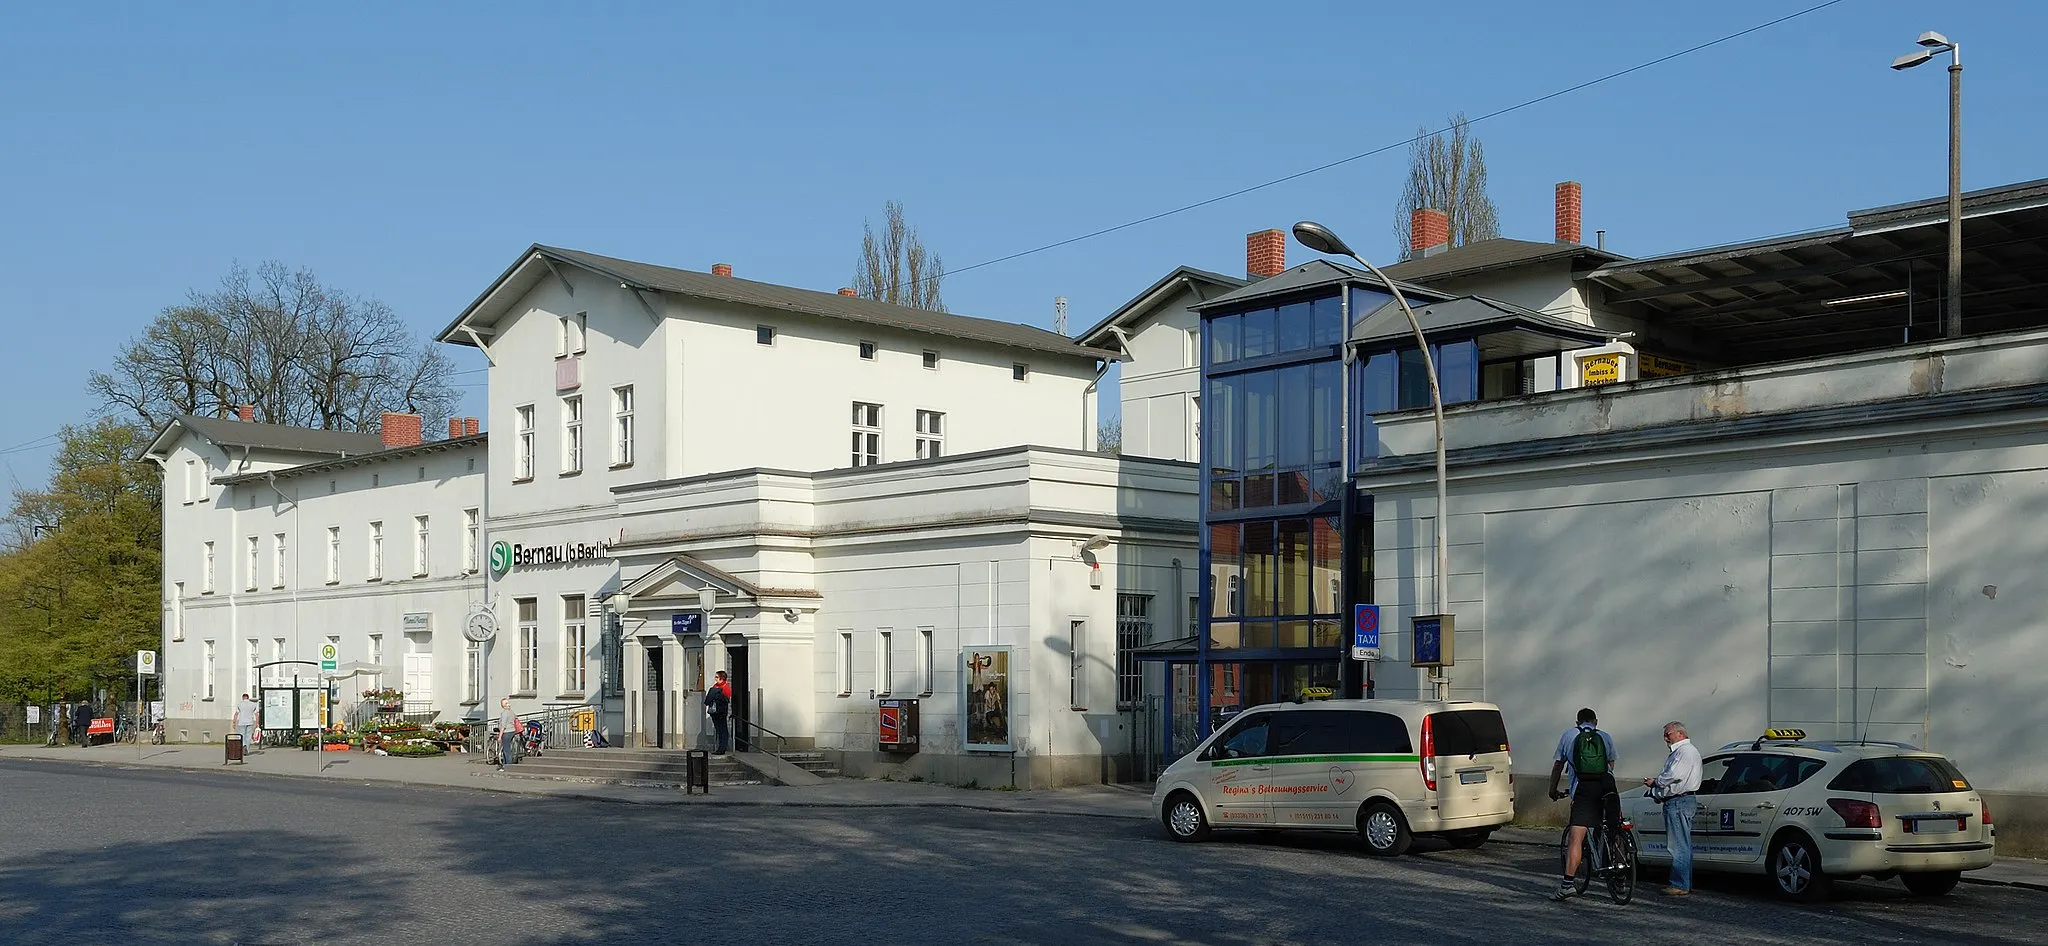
(1471, 778)
(1932, 826)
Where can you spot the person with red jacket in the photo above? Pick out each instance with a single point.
(718, 706)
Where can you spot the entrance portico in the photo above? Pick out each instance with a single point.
(762, 639)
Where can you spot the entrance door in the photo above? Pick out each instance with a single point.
(742, 691)
(419, 678)
(654, 702)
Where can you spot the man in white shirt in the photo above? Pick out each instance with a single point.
(1676, 787)
(245, 722)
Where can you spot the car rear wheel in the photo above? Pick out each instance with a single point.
(1467, 840)
(1383, 830)
(1795, 869)
(1934, 884)
(1184, 818)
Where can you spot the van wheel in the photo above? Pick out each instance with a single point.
(1795, 869)
(1184, 818)
(1383, 830)
(1934, 884)
(1467, 840)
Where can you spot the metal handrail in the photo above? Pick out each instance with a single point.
(781, 741)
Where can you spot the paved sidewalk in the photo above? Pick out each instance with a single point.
(457, 771)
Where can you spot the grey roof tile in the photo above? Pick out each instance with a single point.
(235, 433)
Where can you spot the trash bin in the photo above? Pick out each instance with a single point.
(234, 747)
(696, 771)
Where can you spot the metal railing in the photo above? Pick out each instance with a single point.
(781, 741)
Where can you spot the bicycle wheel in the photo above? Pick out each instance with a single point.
(1621, 868)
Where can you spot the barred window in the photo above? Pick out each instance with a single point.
(1133, 630)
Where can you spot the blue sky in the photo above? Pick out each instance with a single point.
(410, 151)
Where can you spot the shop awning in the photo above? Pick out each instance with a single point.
(1180, 648)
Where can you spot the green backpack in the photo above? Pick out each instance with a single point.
(1589, 754)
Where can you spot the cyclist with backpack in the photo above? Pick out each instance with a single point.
(1588, 752)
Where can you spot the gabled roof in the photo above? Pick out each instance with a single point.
(236, 435)
(1312, 275)
(1143, 303)
(538, 260)
(1498, 253)
(1504, 330)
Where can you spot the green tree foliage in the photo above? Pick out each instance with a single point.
(79, 588)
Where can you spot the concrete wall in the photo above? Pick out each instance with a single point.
(1160, 379)
(1869, 576)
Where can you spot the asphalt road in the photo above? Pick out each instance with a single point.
(92, 855)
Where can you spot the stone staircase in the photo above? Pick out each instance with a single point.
(812, 762)
(656, 767)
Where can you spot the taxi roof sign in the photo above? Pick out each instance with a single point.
(1315, 693)
(1785, 734)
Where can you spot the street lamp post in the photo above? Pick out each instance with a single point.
(1933, 43)
(1322, 239)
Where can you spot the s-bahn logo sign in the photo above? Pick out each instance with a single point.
(506, 556)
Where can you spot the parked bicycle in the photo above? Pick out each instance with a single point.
(1610, 854)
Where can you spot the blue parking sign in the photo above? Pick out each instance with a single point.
(1365, 628)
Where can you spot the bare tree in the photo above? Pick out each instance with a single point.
(1447, 172)
(1109, 437)
(301, 353)
(895, 267)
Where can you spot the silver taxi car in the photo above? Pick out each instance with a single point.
(1804, 813)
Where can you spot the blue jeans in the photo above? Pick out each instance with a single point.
(1678, 814)
(723, 726)
(508, 743)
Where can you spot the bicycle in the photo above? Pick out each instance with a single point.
(1610, 854)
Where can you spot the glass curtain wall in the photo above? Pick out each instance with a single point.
(1272, 530)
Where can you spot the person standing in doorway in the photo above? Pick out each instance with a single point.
(718, 706)
(1676, 787)
(245, 722)
(508, 732)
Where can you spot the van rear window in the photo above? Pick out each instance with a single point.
(1902, 776)
(1469, 732)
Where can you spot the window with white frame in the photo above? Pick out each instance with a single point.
(845, 663)
(1019, 371)
(192, 487)
(471, 539)
(177, 610)
(1077, 664)
(250, 658)
(277, 557)
(572, 434)
(529, 645)
(926, 665)
(931, 359)
(333, 555)
(931, 435)
(885, 660)
(522, 468)
(867, 350)
(276, 649)
(473, 671)
(419, 547)
(376, 655)
(764, 334)
(210, 668)
(206, 572)
(569, 338)
(622, 425)
(867, 433)
(249, 568)
(1133, 630)
(376, 572)
(575, 646)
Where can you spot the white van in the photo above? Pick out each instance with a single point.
(1388, 769)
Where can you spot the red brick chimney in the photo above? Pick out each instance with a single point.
(246, 412)
(454, 427)
(721, 269)
(472, 426)
(1568, 212)
(401, 430)
(848, 292)
(1265, 253)
(1429, 229)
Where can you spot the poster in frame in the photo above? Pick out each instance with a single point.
(985, 695)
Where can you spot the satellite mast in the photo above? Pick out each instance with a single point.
(1059, 314)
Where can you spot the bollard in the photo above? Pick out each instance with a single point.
(234, 748)
(696, 771)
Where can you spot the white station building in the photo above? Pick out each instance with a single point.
(849, 506)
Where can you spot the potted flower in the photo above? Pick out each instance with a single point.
(388, 700)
